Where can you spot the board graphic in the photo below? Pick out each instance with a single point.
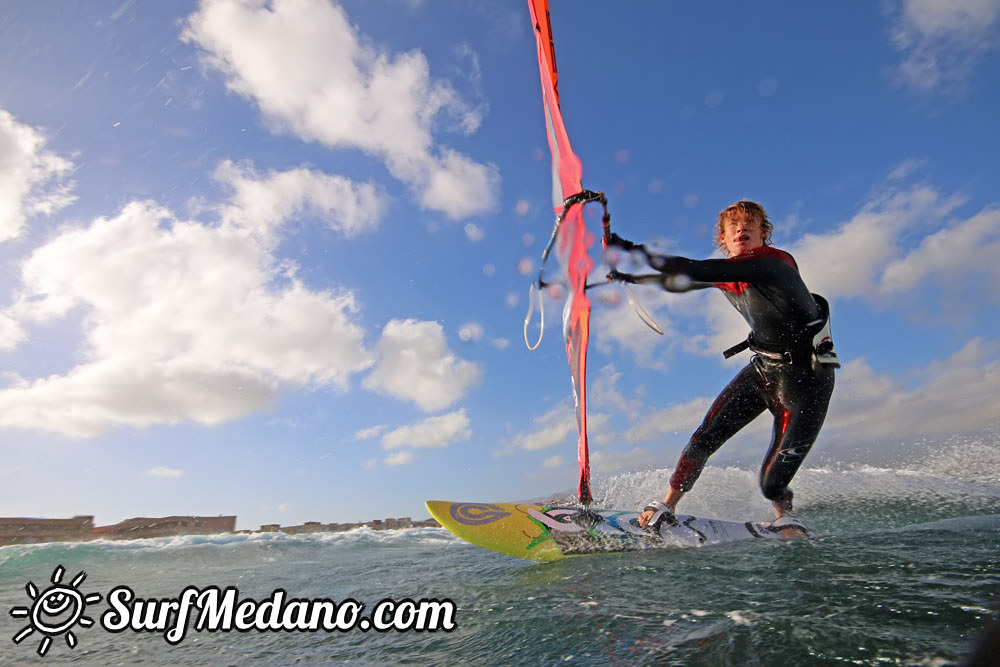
(546, 533)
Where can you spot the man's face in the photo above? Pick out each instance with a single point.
(741, 234)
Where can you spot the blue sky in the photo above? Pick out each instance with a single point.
(272, 258)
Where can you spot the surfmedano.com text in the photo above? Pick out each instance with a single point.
(215, 610)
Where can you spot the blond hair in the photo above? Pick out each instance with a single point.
(744, 210)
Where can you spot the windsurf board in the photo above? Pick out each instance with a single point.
(546, 532)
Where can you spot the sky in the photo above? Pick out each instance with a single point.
(271, 258)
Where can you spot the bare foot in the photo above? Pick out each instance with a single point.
(782, 507)
(789, 527)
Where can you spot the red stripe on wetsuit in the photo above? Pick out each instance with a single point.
(687, 469)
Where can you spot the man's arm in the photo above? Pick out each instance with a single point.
(680, 274)
(667, 278)
(671, 283)
(766, 268)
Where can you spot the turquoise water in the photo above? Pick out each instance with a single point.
(905, 570)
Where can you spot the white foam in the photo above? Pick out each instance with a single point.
(363, 535)
(963, 470)
(738, 618)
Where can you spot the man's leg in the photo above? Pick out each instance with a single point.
(798, 398)
(739, 403)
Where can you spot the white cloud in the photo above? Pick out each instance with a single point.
(548, 430)
(942, 40)
(262, 204)
(954, 253)
(726, 327)
(416, 365)
(557, 426)
(370, 432)
(702, 323)
(95, 396)
(552, 462)
(622, 326)
(399, 458)
(957, 395)
(950, 17)
(162, 471)
(849, 260)
(605, 462)
(32, 180)
(313, 75)
(151, 289)
(432, 432)
(900, 240)
(946, 397)
(676, 420)
(604, 391)
(11, 333)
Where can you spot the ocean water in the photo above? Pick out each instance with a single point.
(905, 570)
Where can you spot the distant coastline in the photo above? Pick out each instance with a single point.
(24, 530)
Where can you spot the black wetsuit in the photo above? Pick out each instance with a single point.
(782, 377)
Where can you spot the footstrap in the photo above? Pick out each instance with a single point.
(660, 513)
(656, 506)
(786, 520)
(790, 522)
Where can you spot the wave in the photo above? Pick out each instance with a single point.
(362, 536)
(961, 476)
(963, 524)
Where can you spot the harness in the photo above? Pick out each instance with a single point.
(821, 350)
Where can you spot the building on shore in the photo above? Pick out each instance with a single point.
(377, 524)
(30, 531)
(168, 526)
(21, 530)
(81, 528)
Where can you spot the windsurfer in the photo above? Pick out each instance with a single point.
(791, 373)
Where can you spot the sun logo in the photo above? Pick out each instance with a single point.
(55, 611)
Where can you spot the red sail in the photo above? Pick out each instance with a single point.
(573, 239)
